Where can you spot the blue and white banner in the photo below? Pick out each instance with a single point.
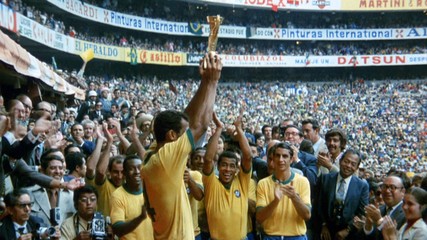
(338, 34)
(182, 28)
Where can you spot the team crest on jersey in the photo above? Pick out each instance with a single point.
(237, 193)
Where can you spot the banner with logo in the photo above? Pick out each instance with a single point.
(277, 5)
(315, 61)
(338, 34)
(155, 57)
(328, 5)
(101, 51)
(41, 34)
(8, 18)
(391, 5)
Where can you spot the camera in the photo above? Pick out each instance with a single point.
(42, 232)
(55, 216)
(97, 227)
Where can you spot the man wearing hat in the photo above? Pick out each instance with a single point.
(143, 123)
(86, 106)
(106, 104)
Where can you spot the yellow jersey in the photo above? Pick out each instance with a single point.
(126, 206)
(227, 209)
(164, 189)
(284, 220)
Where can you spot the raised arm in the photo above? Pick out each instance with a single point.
(94, 157)
(102, 166)
(136, 142)
(200, 108)
(208, 161)
(123, 140)
(243, 143)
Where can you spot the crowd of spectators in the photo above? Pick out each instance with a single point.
(225, 46)
(383, 119)
(248, 17)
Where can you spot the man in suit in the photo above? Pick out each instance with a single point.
(50, 201)
(99, 113)
(77, 136)
(301, 160)
(342, 197)
(392, 190)
(20, 224)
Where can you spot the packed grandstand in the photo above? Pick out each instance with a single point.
(363, 74)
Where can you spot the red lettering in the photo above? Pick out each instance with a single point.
(377, 60)
(341, 60)
(400, 59)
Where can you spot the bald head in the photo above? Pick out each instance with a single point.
(28, 104)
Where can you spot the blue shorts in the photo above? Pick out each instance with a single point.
(268, 237)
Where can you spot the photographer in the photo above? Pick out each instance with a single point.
(86, 223)
(19, 224)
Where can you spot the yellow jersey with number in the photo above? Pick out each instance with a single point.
(164, 189)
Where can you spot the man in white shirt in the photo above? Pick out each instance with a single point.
(311, 129)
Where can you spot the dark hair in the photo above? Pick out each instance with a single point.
(116, 159)
(337, 132)
(69, 146)
(264, 127)
(424, 183)
(74, 160)
(227, 154)
(258, 135)
(76, 124)
(372, 184)
(11, 199)
(419, 194)
(168, 120)
(306, 146)
(129, 158)
(354, 152)
(48, 156)
(300, 133)
(275, 129)
(281, 145)
(193, 153)
(311, 121)
(85, 189)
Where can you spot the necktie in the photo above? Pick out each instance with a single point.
(388, 212)
(341, 191)
(53, 198)
(21, 230)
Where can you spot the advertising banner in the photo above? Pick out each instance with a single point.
(41, 34)
(328, 5)
(101, 51)
(8, 18)
(277, 5)
(375, 5)
(338, 34)
(155, 57)
(316, 61)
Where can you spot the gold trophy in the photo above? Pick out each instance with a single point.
(214, 23)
